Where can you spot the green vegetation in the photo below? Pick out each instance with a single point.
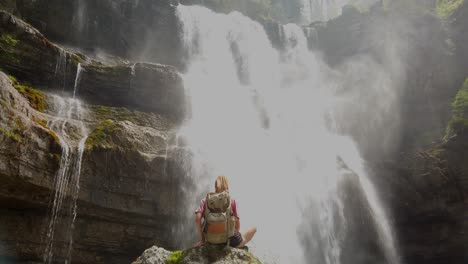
(8, 45)
(175, 257)
(102, 113)
(8, 39)
(10, 134)
(459, 122)
(36, 99)
(445, 8)
(102, 135)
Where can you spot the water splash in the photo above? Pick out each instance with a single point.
(262, 117)
(67, 124)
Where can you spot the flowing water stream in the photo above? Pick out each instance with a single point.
(264, 118)
(67, 115)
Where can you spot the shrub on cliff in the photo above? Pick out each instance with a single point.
(459, 123)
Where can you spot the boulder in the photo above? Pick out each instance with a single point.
(198, 255)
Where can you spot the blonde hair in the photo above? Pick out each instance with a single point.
(222, 182)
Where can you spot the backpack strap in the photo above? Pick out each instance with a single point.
(205, 216)
(228, 223)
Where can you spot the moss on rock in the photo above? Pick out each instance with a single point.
(10, 134)
(9, 39)
(459, 122)
(175, 258)
(36, 99)
(102, 113)
(445, 8)
(102, 135)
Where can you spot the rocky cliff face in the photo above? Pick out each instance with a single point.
(424, 69)
(143, 30)
(131, 172)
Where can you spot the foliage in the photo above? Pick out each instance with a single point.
(102, 135)
(10, 134)
(446, 7)
(175, 257)
(7, 46)
(118, 114)
(36, 99)
(9, 39)
(459, 122)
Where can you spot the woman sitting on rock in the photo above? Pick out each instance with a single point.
(218, 214)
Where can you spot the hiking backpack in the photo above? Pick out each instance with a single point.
(219, 221)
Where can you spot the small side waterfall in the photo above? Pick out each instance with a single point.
(79, 70)
(67, 115)
(61, 69)
(264, 118)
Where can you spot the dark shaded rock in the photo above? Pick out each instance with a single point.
(429, 202)
(139, 30)
(148, 87)
(28, 55)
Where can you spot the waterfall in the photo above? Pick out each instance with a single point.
(67, 115)
(61, 68)
(263, 118)
(79, 70)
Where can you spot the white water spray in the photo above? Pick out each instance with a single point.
(261, 117)
(67, 124)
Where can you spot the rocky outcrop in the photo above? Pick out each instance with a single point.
(198, 255)
(429, 202)
(428, 191)
(121, 209)
(144, 30)
(147, 87)
(135, 111)
(28, 55)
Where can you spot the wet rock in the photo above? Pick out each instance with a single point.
(147, 87)
(128, 186)
(137, 30)
(29, 56)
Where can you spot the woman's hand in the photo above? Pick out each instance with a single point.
(199, 244)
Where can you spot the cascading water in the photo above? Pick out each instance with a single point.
(262, 118)
(67, 116)
(61, 68)
(79, 70)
